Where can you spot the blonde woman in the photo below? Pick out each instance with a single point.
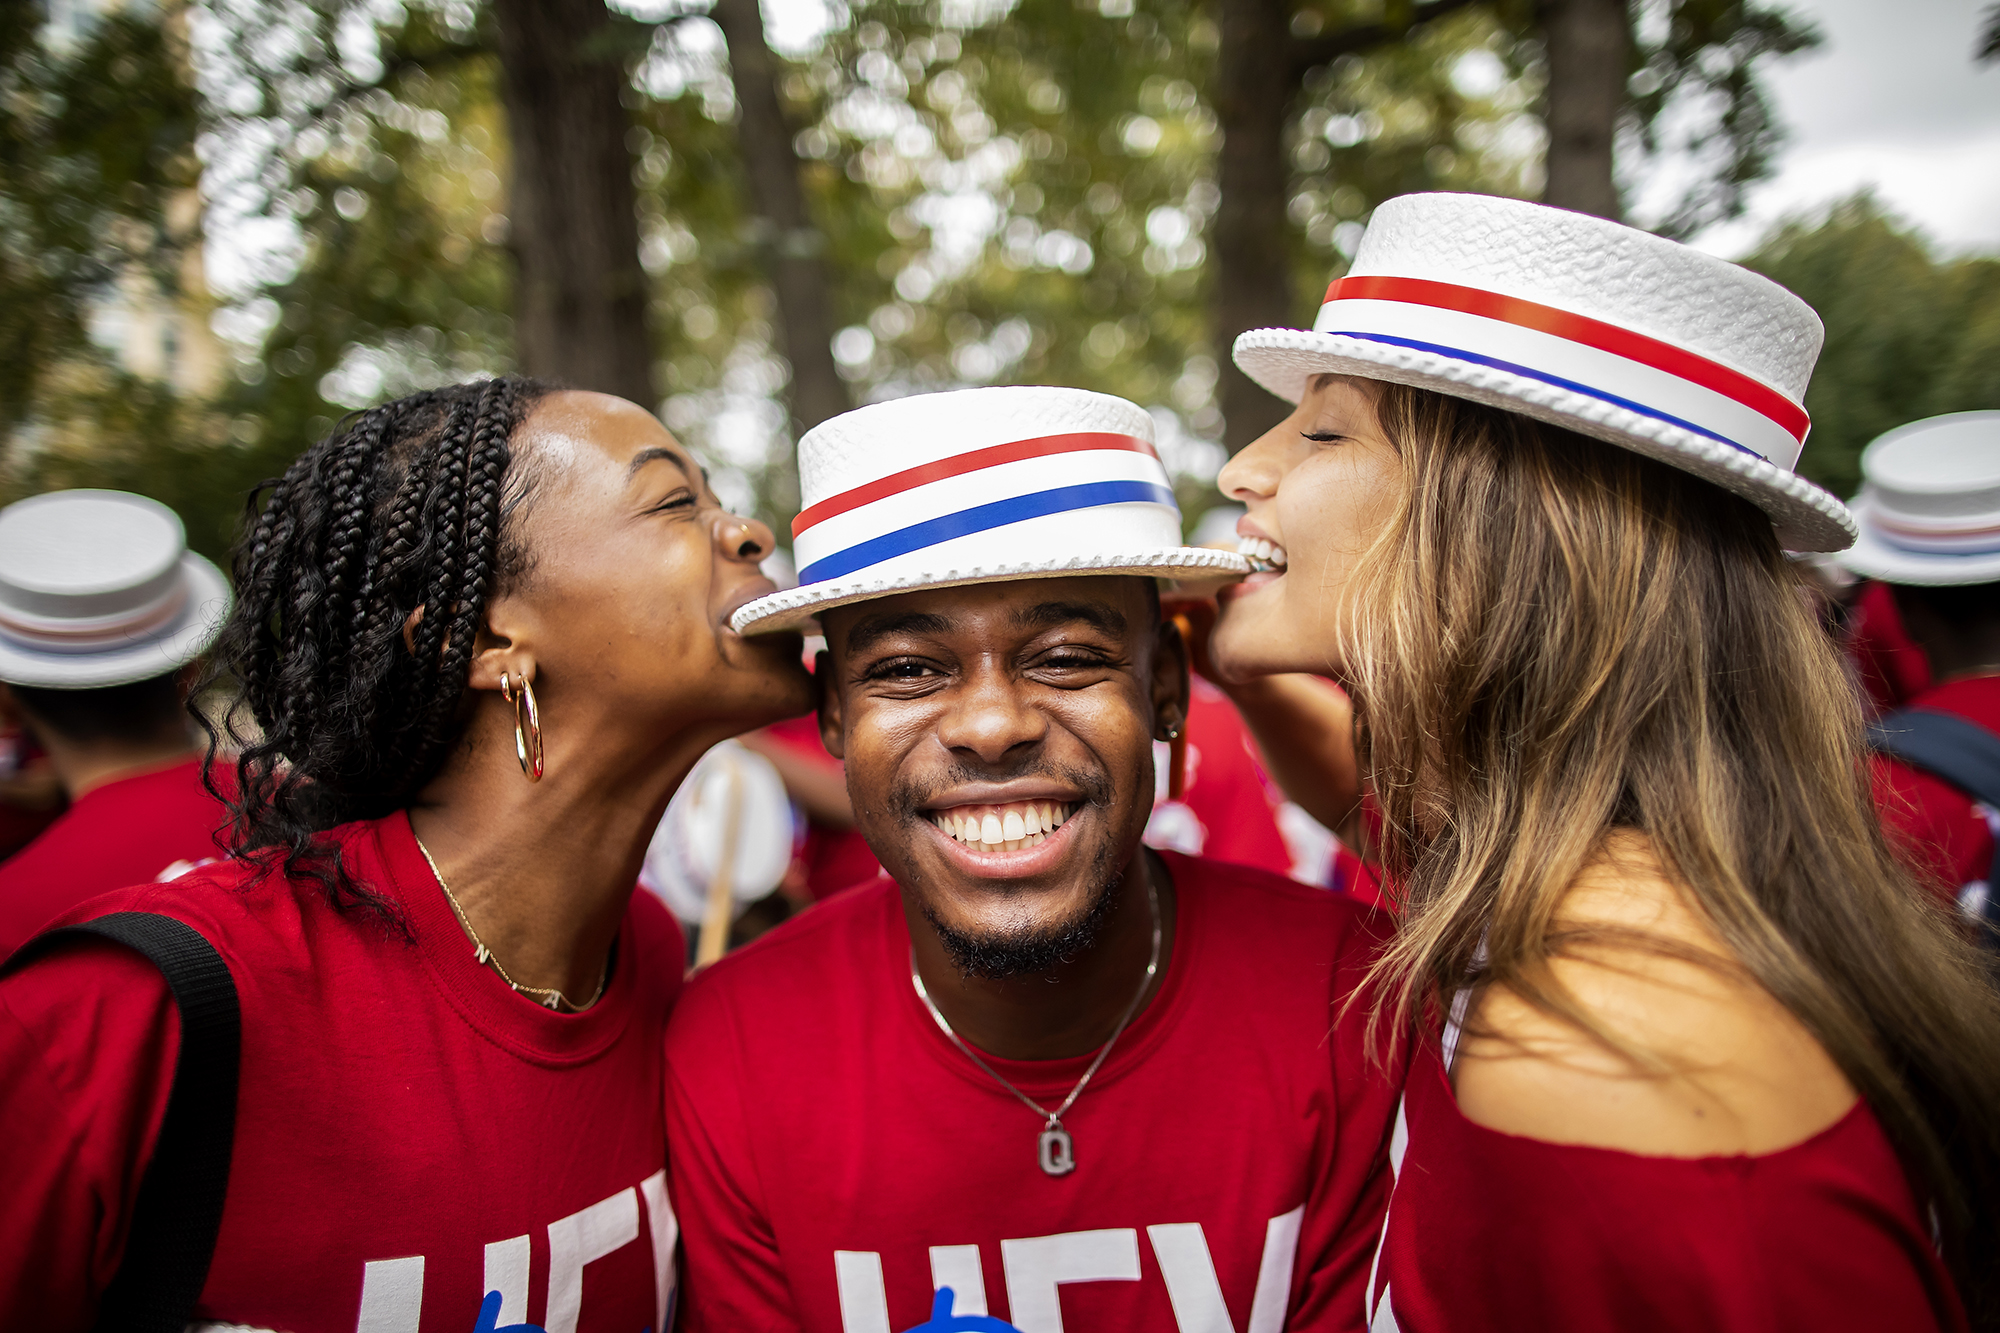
(1691, 1051)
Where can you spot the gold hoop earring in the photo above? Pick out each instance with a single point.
(527, 725)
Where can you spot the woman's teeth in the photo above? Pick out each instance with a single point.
(1261, 553)
(1003, 828)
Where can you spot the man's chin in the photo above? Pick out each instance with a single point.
(1029, 949)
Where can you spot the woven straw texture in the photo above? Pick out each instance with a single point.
(882, 439)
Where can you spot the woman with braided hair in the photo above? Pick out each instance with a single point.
(481, 634)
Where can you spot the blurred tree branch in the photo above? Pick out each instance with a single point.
(791, 246)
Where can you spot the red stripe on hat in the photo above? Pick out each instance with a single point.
(1752, 393)
(960, 464)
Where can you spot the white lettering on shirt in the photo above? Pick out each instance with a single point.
(666, 1230)
(507, 1273)
(864, 1300)
(1037, 1266)
(958, 1267)
(392, 1295)
(1189, 1272)
(1399, 1143)
(578, 1239)
(1274, 1272)
(392, 1290)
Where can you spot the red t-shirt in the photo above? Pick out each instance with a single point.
(129, 831)
(410, 1134)
(835, 1157)
(1889, 665)
(1501, 1233)
(1940, 830)
(1229, 809)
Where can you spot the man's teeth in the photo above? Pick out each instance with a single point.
(1003, 828)
(1266, 554)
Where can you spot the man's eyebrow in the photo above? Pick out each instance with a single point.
(657, 454)
(1098, 615)
(875, 628)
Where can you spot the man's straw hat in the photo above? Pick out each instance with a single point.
(98, 588)
(1930, 503)
(976, 486)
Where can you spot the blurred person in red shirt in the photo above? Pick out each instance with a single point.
(1929, 511)
(101, 608)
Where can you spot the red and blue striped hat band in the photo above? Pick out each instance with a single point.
(1930, 503)
(978, 485)
(1608, 331)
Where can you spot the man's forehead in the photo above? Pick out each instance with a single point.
(1114, 605)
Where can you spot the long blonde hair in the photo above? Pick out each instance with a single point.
(1554, 638)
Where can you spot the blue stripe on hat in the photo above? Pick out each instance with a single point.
(1461, 354)
(981, 518)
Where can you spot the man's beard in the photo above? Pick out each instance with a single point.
(1028, 951)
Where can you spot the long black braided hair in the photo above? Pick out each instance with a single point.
(404, 508)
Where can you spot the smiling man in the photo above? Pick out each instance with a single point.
(1039, 1073)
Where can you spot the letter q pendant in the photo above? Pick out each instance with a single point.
(1058, 1154)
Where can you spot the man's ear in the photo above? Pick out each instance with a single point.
(1170, 679)
(832, 725)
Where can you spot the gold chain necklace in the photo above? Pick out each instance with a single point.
(547, 995)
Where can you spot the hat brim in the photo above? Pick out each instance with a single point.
(1807, 518)
(145, 656)
(1873, 558)
(795, 608)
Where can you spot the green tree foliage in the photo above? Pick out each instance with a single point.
(1701, 60)
(1003, 193)
(378, 178)
(1025, 200)
(97, 132)
(1907, 335)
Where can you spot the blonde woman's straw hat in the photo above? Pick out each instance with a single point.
(1603, 329)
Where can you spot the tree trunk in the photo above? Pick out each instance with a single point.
(794, 249)
(1589, 45)
(1251, 237)
(580, 299)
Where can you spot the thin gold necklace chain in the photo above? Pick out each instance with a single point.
(484, 956)
(1053, 1119)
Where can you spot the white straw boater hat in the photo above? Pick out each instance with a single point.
(98, 588)
(1930, 503)
(976, 486)
(1611, 332)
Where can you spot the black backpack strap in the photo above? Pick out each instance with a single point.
(1964, 754)
(1960, 751)
(179, 1208)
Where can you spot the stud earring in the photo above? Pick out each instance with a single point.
(527, 725)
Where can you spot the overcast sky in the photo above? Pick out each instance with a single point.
(1890, 99)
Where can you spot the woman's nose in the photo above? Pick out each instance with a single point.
(745, 538)
(1249, 475)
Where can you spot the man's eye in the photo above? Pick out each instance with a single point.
(1073, 661)
(901, 670)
